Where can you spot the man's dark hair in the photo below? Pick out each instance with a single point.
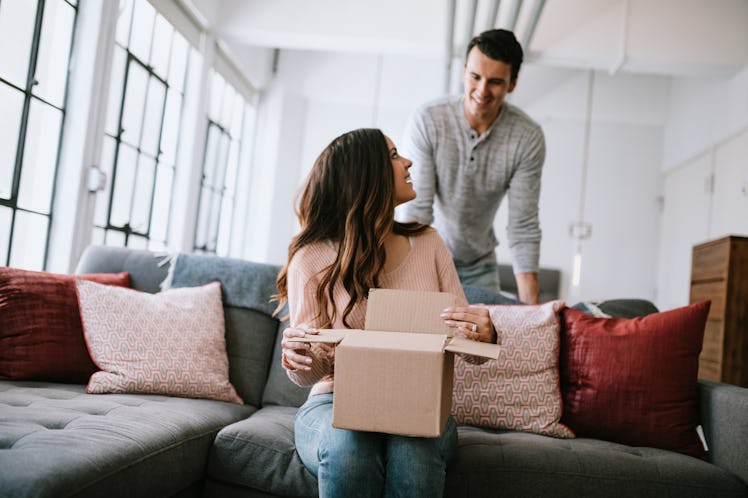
(500, 45)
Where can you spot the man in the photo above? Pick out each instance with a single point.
(471, 151)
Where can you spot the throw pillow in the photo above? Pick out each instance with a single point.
(633, 381)
(521, 390)
(170, 343)
(40, 327)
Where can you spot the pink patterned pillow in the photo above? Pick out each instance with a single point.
(521, 390)
(170, 343)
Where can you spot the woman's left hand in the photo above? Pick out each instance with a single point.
(471, 322)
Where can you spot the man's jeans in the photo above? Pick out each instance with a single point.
(484, 274)
(356, 463)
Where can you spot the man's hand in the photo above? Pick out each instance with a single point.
(527, 287)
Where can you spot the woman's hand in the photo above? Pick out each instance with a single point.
(296, 354)
(470, 322)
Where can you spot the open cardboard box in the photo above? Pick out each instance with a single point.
(396, 375)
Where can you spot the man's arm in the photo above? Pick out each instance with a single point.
(527, 287)
(417, 147)
(523, 227)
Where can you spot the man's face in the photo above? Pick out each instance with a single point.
(486, 82)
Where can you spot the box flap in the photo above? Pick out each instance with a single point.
(475, 348)
(408, 311)
(403, 341)
(329, 336)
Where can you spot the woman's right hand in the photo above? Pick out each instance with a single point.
(296, 353)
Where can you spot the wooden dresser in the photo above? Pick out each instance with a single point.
(719, 272)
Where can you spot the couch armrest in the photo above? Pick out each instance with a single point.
(724, 418)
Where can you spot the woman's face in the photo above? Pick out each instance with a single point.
(400, 165)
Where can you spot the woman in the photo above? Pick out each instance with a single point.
(349, 243)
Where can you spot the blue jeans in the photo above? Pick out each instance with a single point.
(484, 274)
(360, 464)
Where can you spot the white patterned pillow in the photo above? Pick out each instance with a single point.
(521, 390)
(170, 343)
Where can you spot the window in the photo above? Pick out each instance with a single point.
(35, 44)
(226, 122)
(146, 95)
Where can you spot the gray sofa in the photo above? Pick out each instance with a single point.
(58, 441)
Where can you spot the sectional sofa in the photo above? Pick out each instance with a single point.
(58, 441)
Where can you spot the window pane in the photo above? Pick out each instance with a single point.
(142, 30)
(115, 238)
(152, 120)
(116, 85)
(39, 157)
(206, 200)
(97, 236)
(11, 106)
(237, 118)
(170, 131)
(29, 241)
(223, 153)
(123, 185)
(102, 196)
(123, 22)
(132, 113)
(141, 204)
(161, 201)
(224, 230)
(215, 212)
(211, 155)
(137, 242)
(178, 62)
(17, 19)
(161, 45)
(156, 245)
(54, 51)
(6, 217)
(229, 184)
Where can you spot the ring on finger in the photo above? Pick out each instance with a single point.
(473, 328)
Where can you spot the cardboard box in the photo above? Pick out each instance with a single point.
(396, 375)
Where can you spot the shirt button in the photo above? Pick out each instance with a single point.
(472, 136)
(472, 158)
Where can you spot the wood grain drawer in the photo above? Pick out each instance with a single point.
(713, 291)
(713, 341)
(710, 260)
(709, 370)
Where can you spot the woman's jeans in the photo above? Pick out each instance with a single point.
(359, 464)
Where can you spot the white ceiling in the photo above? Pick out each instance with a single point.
(664, 37)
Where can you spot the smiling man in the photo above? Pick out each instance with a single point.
(471, 151)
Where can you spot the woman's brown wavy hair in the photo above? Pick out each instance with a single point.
(348, 199)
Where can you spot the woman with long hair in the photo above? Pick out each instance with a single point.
(349, 242)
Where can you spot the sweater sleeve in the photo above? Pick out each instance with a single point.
(305, 312)
(523, 226)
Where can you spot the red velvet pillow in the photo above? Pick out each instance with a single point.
(633, 381)
(41, 337)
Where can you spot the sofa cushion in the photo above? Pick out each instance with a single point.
(259, 453)
(633, 381)
(169, 343)
(521, 389)
(279, 389)
(56, 440)
(525, 464)
(40, 327)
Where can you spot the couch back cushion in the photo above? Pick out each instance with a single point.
(246, 290)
